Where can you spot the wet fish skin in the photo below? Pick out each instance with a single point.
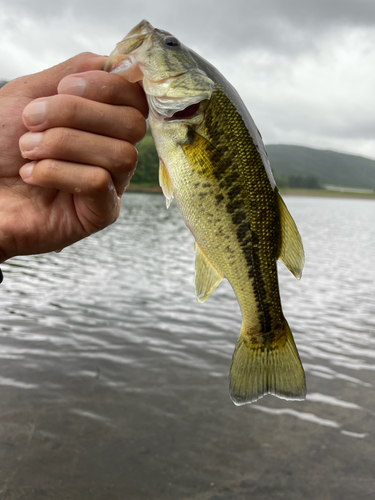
(213, 162)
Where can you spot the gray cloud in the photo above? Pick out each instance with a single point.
(305, 69)
(235, 25)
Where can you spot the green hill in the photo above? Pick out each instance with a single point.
(328, 167)
(293, 166)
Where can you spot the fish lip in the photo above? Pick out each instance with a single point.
(142, 28)
(122, 57)
(110, 65)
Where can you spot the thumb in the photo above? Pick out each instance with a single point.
(45, 83)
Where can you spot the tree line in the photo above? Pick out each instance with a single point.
(147, 171)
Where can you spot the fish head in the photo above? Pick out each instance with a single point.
(174, 84)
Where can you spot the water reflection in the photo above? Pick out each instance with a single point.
(110, 368)
(308, 417)
(330, 400)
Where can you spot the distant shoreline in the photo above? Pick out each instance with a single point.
(319, 193)
(141, 188)
(323, 193)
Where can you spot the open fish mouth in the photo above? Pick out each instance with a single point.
(173, 109)
(186, 113)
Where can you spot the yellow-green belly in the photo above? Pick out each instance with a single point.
(227, 233)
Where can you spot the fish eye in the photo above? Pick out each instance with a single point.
(171, 42)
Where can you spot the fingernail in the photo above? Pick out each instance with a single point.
(27, 170)
(35, 113)
(29, 142)
(73, 85)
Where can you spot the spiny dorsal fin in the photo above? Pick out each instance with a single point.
(291, 248)
(165, 183)
(206, 277)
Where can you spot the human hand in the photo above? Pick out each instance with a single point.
(79, 132)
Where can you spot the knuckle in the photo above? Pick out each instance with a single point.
(134, 124)
(62, 110)
(125, 156)
(100, 181)
(109, 217)
(41, 168)
(45, 172)
(132, 157)
(59, 136)
(109, 90)
(140, 126)
(59, 139)
(70, 108)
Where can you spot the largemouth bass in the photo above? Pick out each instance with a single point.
(214, 164)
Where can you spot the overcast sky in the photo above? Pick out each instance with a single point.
(305, 68)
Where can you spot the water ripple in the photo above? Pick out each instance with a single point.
(110, 331)
(308, 417)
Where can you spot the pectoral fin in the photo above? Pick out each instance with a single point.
(291, 248)
(165, 183)
(203, 156)
(206, 277)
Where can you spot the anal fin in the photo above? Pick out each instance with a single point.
(291, 248)
(207, 278)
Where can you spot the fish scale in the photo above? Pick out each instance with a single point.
(249, 207)
(213, 163)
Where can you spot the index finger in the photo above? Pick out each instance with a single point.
(44, 83)
(105, 87)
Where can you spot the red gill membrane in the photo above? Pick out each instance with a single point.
(188, 112)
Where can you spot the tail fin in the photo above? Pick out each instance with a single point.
(266, 369)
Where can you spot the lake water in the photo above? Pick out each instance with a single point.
(114, 380)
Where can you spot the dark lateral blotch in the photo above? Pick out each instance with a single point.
(219, 198)
(242, 230)
(238, 217)
(235, 191)
(234, 205)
